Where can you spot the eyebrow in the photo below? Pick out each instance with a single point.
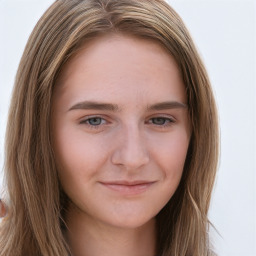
(95, 106)
(167, 105)
(113, 107)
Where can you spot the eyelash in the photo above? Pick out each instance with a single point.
(91, 126)
(167, 122)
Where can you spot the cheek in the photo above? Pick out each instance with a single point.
(170, 157)
(171, 154)
(78, 157)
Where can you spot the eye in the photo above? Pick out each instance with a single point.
(161, 121)
(94, 121)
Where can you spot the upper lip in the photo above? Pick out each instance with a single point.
(127, 183)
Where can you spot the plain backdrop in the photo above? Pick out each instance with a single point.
(225, 34)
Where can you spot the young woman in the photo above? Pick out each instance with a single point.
(112, 139)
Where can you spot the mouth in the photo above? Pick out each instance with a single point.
(128, 187)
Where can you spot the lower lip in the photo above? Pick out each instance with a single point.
(129, 189)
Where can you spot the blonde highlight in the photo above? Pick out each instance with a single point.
(35, 200)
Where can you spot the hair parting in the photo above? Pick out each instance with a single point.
(35, 219)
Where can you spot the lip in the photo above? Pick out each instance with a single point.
(128, 187)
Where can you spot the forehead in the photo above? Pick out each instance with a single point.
(119, 64)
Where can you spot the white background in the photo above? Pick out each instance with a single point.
(225, 33)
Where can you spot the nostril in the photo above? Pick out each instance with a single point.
(130, 148)
(130, 156)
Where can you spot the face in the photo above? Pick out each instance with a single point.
(120, 130)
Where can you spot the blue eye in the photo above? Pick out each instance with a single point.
(161, 121)
(93, 121)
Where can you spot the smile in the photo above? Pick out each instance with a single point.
(128, 188)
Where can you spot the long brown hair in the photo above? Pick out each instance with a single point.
(33, 225)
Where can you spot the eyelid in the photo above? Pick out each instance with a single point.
(167, 116)
(169, 121)
(83, 122)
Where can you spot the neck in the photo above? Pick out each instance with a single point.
(94, 238)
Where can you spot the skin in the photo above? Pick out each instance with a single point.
(119, 164)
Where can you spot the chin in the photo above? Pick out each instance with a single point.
(132, 222)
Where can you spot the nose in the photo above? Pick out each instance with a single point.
(130, 149)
